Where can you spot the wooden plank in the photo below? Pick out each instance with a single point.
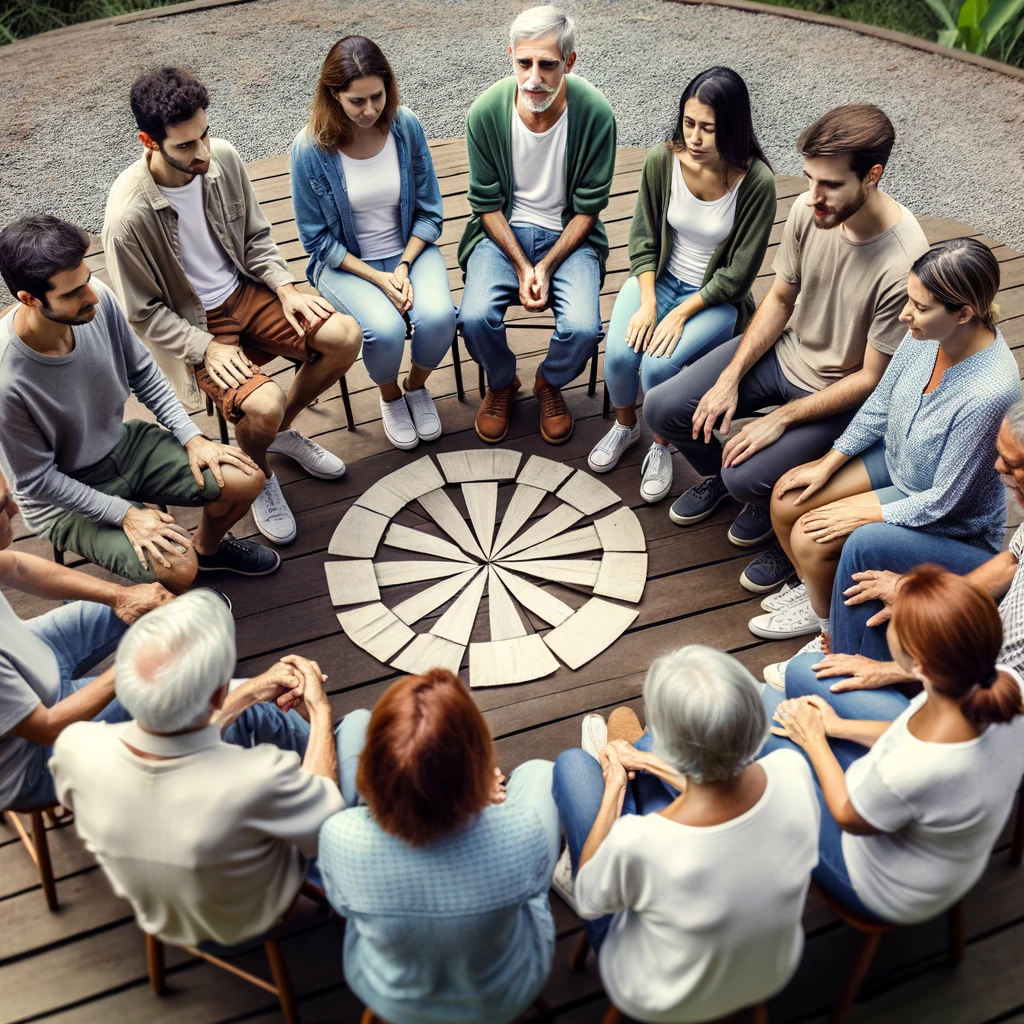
(516, 660)
(591, 630)
(456, 624)
(504, 619)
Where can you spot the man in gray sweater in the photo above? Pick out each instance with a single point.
(68, 362)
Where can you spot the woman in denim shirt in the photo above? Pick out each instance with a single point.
(368, 209)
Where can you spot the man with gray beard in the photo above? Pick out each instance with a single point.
(541, 149)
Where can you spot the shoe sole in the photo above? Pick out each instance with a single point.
(490, 440)
(774, 685)
(430, 437)
(280, 542)
(557, 440)
(693, 520)
(747, 584)
(408, 447)
(767, 634)
(739, 542)
(325, 476)
(241, 572)
(660, 497)
(612, 465)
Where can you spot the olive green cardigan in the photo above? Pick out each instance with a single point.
(731, 273)
(589, 159)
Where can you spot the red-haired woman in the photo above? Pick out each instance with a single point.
(443, 875)
(907, 826)
(368, 209)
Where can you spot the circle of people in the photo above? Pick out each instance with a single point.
(882, 760)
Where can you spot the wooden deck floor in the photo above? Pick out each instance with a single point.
(86, 963)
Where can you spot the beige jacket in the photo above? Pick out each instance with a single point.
(143, 254)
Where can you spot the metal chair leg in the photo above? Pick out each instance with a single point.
(1017, 844)
(58, 557)
(578, 959)
(457, 367)
(606, 410)
(223, 426)
(480, 380)
(592, 386)
(957, 933)
(347, 402)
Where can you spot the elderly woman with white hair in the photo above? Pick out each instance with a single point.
(660, 834)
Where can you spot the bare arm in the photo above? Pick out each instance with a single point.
(45, 724)
(611, 803)
(573, 235)
(500, 232)
(995, 575)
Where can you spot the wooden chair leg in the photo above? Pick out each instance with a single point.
(606, 410)
(480, 381)
(578, 959)
(613, 1016)
(283, 981)
(759, 1014)
(460, 389)
(368, 1017)
(592, 386)
(58, 557)
(543, 1010)
(855, 978)
(42, 848)
(350, 420)
(957, 934)
(155, 964)
(1017, 845)
(222, 426)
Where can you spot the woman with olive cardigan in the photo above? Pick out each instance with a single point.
(700, 230)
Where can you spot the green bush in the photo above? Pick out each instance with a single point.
(22, 18)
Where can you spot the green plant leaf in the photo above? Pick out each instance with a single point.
(941, 11)
(971, 13)
(998, 15)
(948, 36)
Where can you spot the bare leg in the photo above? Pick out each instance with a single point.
(417, 377)
(237, 494)
(263, 417)
(391, 392)
(178, 578)
(338, 342)
(626, 415)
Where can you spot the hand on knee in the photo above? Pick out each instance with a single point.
(241, 486)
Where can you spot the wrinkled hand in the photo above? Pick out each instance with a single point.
(151, 533)
(641, 326)
(864, 673)
(281, 683)
(615, 775)
(499, 790)
(801, 720)
(667, 333)
(303, 312)
(832, 521)
(811, 477)
(206, 454)
(400, 279)
(874, 585)
(132, 603)
(312, 680)
(754, 437)
(228, 366)
(392, 288)
(720, 401)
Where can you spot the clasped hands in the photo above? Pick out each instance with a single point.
(292, 682)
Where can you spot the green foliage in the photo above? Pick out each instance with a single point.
(22, 18)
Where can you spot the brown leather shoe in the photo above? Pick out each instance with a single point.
(494, 413)
(556, 421)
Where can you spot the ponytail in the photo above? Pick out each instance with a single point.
(996, 700)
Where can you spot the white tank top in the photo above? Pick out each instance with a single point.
(698, 228)
(374, 197)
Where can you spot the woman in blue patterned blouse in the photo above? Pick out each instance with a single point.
(921, 450)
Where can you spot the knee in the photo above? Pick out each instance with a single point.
(475, 316)
(660, 410)
(655, 372)
(620, 359)
(746, 485)
(804, 545)
(785, 511)
(241, 486)
(177, 577)
(584, 329)
(801, 680)
(339, 339)
(264, 410)
(571, 769)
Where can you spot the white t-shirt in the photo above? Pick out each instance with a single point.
(698, 228)
(698, 932)
(374, 189)
(939, 806)
(29, 676)
(538, 173)
(207, 266)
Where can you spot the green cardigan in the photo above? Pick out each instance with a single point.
(735, 265)
(589, 159)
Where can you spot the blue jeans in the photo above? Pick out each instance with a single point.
(578, 787)
(80, 634)
(898, 549)
(831, 873)
(701, 333)
(432, 315)
(492, 286)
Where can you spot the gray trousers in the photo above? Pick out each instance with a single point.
(669, 409)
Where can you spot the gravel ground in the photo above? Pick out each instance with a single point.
(67, 129)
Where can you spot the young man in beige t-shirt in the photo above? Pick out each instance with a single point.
(846, 251)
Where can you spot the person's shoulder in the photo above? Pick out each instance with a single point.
(303, 141)
(225, 154)
(579, 89)
(126, 200)
(787, 767)
(493, 100)
(406, 119)
(801, 216)
(658, 158)
(760, 177)
(908, 236)
(89, 739)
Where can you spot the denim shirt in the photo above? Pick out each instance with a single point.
(320, 196)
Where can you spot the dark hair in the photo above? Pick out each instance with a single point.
(163, 98)
(427, 764)
(726, 93)
(952, 628)
(962, 272)
(35, 248)
(348, 60)
(861, 130)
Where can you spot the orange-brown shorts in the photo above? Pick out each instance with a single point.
(252, 317)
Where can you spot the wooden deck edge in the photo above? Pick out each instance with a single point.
(888, 35)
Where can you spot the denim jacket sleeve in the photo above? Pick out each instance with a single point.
(428, 216)
(315, 229)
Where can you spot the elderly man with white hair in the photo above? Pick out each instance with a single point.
(204, 812)
(660, 834)
(541, 147)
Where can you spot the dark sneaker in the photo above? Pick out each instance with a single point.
(245, 557)
(750, 527)
(767, 571)
(696, 504)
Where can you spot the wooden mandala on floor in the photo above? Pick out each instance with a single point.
(509, 558)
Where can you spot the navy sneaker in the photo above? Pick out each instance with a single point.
(245, 557)
(767, 571)
(696, 504)
(752, 526)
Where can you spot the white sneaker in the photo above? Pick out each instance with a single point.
(398, 424)
(607, 452)
(775, 675)
(595, 734)
(424, 415)
(562, 881)
(657, 473)
(798, 619)
(313, 458)
(784, 597)
(273, 517)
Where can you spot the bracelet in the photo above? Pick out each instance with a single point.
(404, 263)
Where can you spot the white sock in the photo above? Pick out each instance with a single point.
(822, 623)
